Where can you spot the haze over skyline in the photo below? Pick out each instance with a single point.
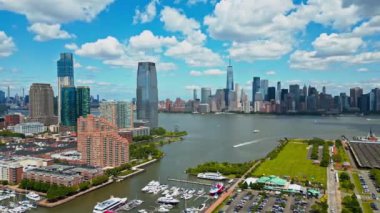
(324, 43)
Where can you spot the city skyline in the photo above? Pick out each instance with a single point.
(322, 50)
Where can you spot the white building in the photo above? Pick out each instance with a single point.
(28, 128)
(204, 108)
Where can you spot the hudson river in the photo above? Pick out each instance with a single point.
(212, 138)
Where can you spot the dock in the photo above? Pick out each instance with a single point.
(188, 181)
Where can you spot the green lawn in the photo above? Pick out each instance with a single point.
(367, 208)
(357, 183)
(343, 154)
(292, 161)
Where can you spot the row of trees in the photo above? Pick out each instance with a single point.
(351, 204)
(56, 192)
(273, 154)
(159, 131)
(8, 133)
(325, 156)
(375, 175)
(53, 191)
(345, 181)
(142, 138)
(314, 152)
(237, 169)
(117, 170)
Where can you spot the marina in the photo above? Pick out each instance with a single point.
(210, 139)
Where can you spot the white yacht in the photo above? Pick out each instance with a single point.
(111, 204)
(33, 196)
(211, 176)
(168, 200)
(256, 131)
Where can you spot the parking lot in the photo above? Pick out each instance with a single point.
(372, 192)
(255, 201)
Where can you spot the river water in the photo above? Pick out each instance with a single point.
(212, 138)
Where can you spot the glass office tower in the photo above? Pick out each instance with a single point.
(147, 93)
(69, 106)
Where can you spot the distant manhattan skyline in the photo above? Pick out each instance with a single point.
(334, 43)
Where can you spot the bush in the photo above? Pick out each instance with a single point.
(99, 180)
(237, 169)
(351, 204)
(84, 186)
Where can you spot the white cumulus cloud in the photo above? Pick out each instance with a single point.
(106, 48)
(147, 15)
(46, 32)
(7, 46)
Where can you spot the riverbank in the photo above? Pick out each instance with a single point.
(138, 169)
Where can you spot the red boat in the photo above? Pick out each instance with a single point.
(216, 189)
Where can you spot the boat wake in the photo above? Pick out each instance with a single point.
(248, 142)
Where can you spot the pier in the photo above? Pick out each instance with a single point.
(188, 181)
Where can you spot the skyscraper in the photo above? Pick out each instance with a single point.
(195, 96)
(100, 144)
(264, 88)
(230, 77)
(65, 72)
(147, 93)
(118, 113)
(205, 94)
(2, 97)
(355, 94)
(83, 101)
(255, 88)
(271, 93)
(41, 107)
(68, 106)
(278, 92)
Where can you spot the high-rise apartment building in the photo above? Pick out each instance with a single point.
(65, 72)
(100, 144)
(41, 107)
(118, 113)
(69, 113)
(147, 93)
(83, 101)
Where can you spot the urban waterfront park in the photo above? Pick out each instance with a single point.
(292, 161)
(212, 138)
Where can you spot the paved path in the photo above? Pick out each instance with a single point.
(223, 196)
(333, 193)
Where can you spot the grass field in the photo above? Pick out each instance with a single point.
(343, 154)
(292, 161)
(367, 208)
(357, 183)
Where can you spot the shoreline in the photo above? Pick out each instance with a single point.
(46, 204)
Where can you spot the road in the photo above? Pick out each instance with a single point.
(224, 196)
(333, 193)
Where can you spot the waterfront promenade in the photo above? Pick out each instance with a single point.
(138, 169)
(225, 195)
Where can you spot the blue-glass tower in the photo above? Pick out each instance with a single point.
(147, 93)
(69, 113)
(65, 73)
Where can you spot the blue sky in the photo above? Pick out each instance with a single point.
(333, 43)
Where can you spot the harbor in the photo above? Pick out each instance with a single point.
(210, 139)
(195, 197)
